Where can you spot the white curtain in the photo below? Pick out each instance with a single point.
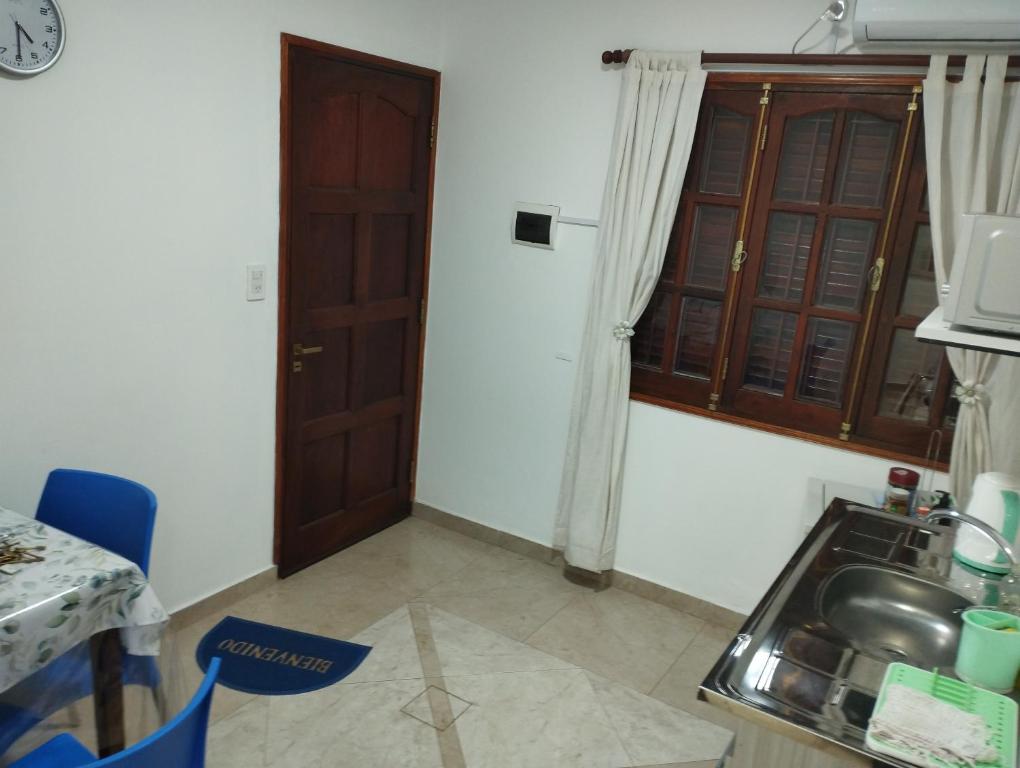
(656, 118)
(972, 140)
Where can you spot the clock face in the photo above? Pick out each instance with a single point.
(31, 35)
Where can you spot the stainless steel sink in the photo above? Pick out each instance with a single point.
(892, 615)
(864, 589)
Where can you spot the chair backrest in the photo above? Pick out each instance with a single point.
(178, 744)
(109, 511)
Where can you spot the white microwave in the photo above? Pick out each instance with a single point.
(984, 286)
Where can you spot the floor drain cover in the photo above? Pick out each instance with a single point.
(436, 707)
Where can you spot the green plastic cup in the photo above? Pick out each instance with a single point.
(989, 652)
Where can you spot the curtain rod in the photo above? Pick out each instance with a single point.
(620, 56)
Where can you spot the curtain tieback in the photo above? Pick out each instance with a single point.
(969, 393)
(623, 331)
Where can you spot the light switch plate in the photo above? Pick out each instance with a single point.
(256, 282)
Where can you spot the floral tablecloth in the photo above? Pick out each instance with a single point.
(79, 589)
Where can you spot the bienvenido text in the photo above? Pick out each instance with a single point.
(275, 656)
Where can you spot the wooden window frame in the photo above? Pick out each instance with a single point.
(858, 427)
(684, 388)
(913, 437)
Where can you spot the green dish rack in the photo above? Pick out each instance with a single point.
(999, 712)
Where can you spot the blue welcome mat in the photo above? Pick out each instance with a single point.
(273, 661)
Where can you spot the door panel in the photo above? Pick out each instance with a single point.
(328, 262)
(359, 157)
(388, 271)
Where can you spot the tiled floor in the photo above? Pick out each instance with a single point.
(519, 668)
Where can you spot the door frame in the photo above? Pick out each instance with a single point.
(288, 41)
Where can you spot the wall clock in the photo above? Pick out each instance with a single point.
(31, 36)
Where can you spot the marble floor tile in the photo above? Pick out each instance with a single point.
(697, 764)
(654, 733)
(679, 686)
(239, 740)
(394, 654)
(409, 557)
(506, 592)
(362, 726)
(349, 724)
(465, 648)
(619, 636)
(548, 719)
(335, 605)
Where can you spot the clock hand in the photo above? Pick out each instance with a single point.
(17, 36)
(21, 29)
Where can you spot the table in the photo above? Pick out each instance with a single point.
(78, 592)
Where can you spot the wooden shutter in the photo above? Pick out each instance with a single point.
(675, 349)
(816, 229)
(909, 391)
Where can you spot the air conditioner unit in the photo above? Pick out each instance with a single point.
(938, 25)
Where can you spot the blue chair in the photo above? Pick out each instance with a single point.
(118, 515)
(115, 514)
(109, 511)
(178, 744)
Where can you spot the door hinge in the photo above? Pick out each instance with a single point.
(410, 477)
(764, 137)
(432, 135)
(421, 311)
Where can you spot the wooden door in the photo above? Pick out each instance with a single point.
(358, 135)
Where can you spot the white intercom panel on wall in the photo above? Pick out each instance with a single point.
(535, 225)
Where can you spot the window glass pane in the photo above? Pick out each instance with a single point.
(650, 333)
(673, 248)
(711, 246)
(911, 375)
(952, 408)
(722, 171)
(919, 296)
(865, 160)
(699, 330)
(845, 258)
(802, 161)
(769, 349)
(787, 249)
(827, 349)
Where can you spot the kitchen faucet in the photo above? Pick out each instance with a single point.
(981, 525)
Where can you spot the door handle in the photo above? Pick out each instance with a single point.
(299, 351)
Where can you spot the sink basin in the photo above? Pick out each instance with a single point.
(864, 589)
(892, 616)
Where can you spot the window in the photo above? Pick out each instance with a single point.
(799, 265)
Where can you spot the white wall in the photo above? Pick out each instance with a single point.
(140, 175)
(716, 510)
(527, 115)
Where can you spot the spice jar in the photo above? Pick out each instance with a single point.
(897, 501)
(900, 490)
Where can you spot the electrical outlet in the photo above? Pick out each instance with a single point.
(256, 282)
